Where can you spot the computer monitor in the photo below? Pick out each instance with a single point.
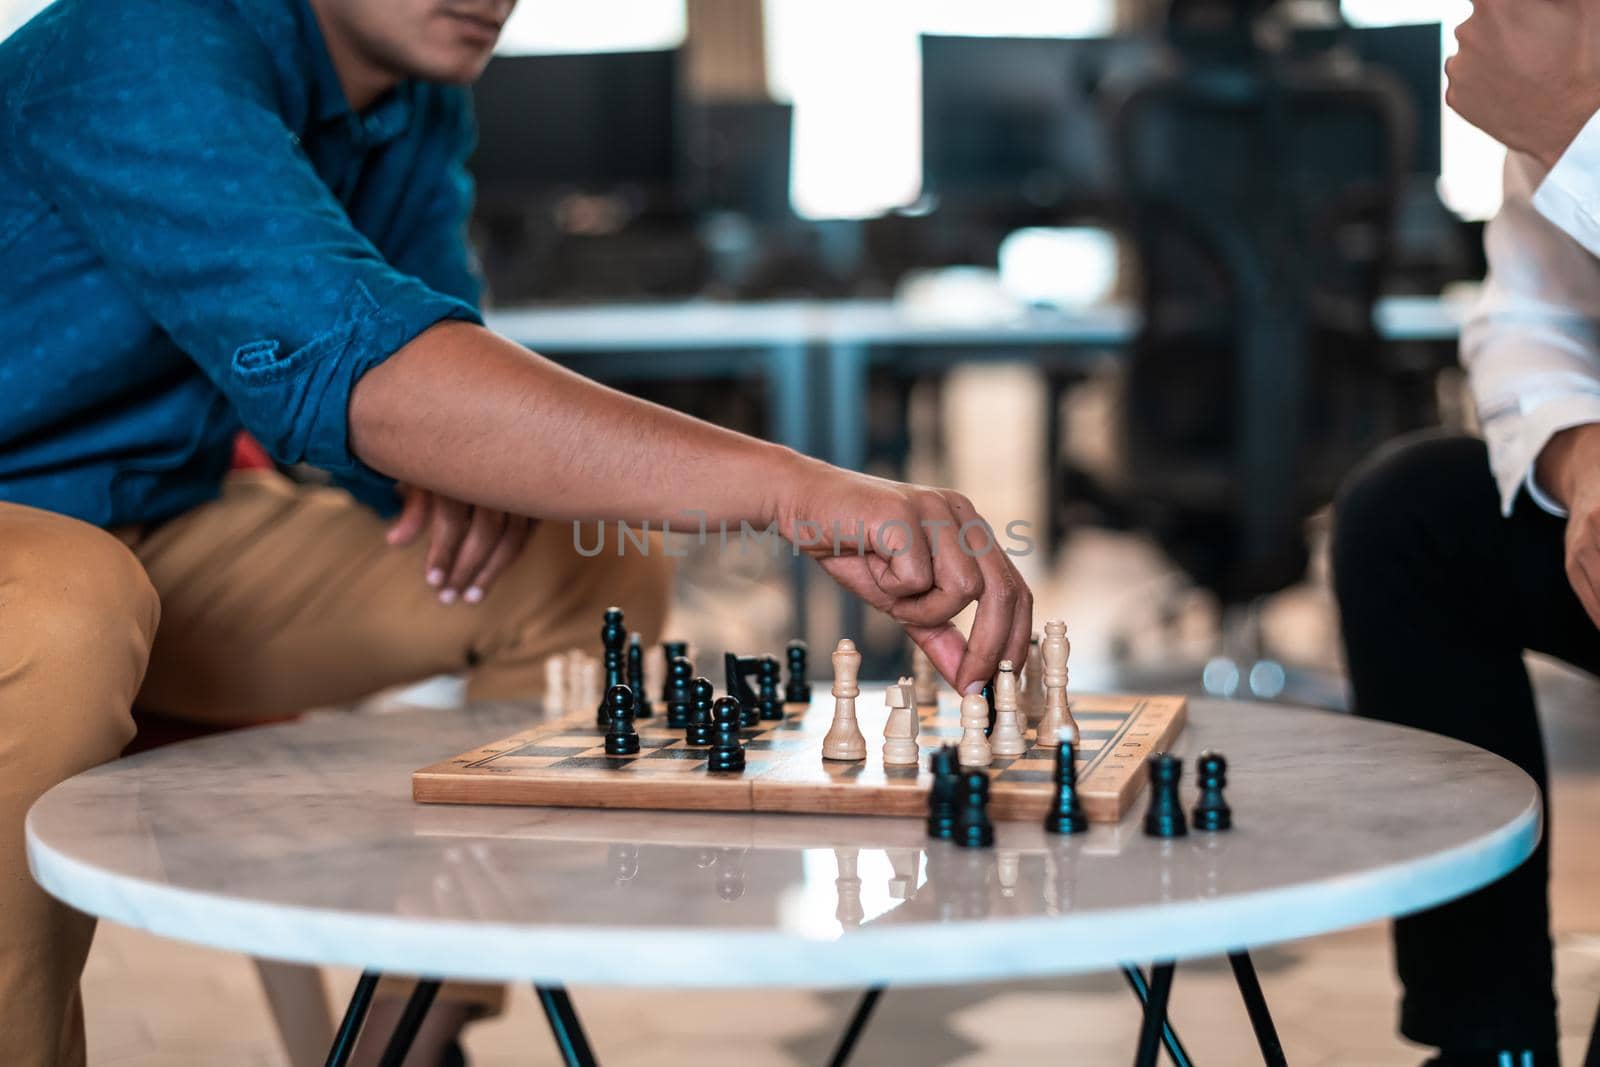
(1019, 120)
(1414, 56)
(737, 158)
(589, 122)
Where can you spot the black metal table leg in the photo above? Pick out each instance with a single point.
(1169, 1036)
(1255, 1003)
(564, 1026)
(1155, 1015)
(344, 1042)
(405, 1031)
(858, 1023)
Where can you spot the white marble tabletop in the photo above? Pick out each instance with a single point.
(301, 842)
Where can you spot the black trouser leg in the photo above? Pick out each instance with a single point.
(405, 1031)
(1439, 596)
(355, 1015)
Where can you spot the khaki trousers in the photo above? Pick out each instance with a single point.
(272, 599)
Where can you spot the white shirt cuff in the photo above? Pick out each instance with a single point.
(1515, 455)
(1569, 196)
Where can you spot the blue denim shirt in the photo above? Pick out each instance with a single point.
(198, 234)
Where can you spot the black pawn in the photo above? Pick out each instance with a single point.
(797, 690)
(1211, 812)
(768, 704)
(642, 708)
(621, 739)
(727, 754)
(944, 798)
(1164, 817)
(680, 675)
(614, 638)
(670, 651)
(698, 732)
(988, 695)
(1065, 816)
(973, 828)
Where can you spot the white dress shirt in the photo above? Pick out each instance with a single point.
(1531, 345)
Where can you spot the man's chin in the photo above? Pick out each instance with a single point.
(457, 67)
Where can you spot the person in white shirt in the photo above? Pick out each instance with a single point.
(1453, 555)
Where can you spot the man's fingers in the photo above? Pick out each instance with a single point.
(1583, 568)
(855, 573)
(412, 519)
(957, 577)
(512, 540)
(904, 543)
(944, 647)
(483, 534)
(449, 526)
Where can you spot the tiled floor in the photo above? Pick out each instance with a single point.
(156, 1003)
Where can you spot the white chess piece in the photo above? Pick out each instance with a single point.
(1008, 864)
(1006, 739)
(1033, 684)
(844, 740)
(900, 730)
(926, 683)
(906, 864)
(555, 685)
(973, 751)
(1057, 724)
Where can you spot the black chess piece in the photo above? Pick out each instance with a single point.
(614, 637)
(671, 650)
(621, 738)
(727, 753)
(796, 690)
(641, 698)
(944, 798)
(1065, 815)
(1211, 811)
(698, 732)
(988, 695)
(769, 707)
(738, 670)
(680, 674)
(1164, 817)
(973, 828)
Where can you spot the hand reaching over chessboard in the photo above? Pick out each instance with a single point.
(920, 556)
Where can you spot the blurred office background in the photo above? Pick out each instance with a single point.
(1140, 277)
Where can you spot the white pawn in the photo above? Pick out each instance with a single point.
(1057, 724)
(973, 751)
(1033, 684)
(1008, 864)
(555, 685)
(900, 730)
(1007, 739)
(926, 683)
(844, 740)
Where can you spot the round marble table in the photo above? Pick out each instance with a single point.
(300, 842)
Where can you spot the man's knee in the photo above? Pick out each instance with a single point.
(77, 619)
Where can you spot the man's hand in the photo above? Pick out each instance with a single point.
(469, 546)
(920, 556)
(1569, 470)
(1527, 72)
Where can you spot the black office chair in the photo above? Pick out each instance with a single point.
(1259, 198)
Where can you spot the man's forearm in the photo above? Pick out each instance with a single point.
(472, 415)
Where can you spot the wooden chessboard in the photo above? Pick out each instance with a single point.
(562, 763)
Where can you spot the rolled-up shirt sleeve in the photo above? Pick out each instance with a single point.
(199, 199)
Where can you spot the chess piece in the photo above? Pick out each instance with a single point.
(926, 679)
(1066, 815)
(974, 748)
(1006, 739)
(797, 690)
(699, 731)
(641, 699)
(1211, 811)
(944, 795)
(1033, 685)
(737, 669)
(1164, 817)
(849, 911)
(904, 864)
(900, 730)
(844, 740)
(555, 685)
(1007, 865)
(727, 753)
(588, 680)
(614, 637)
(973, 828)
(988, 701)
(621, 738)
(671, 650)
(1057, 722)
(769, 707)
(680, 676)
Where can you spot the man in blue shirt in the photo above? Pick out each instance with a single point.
(226, 214)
